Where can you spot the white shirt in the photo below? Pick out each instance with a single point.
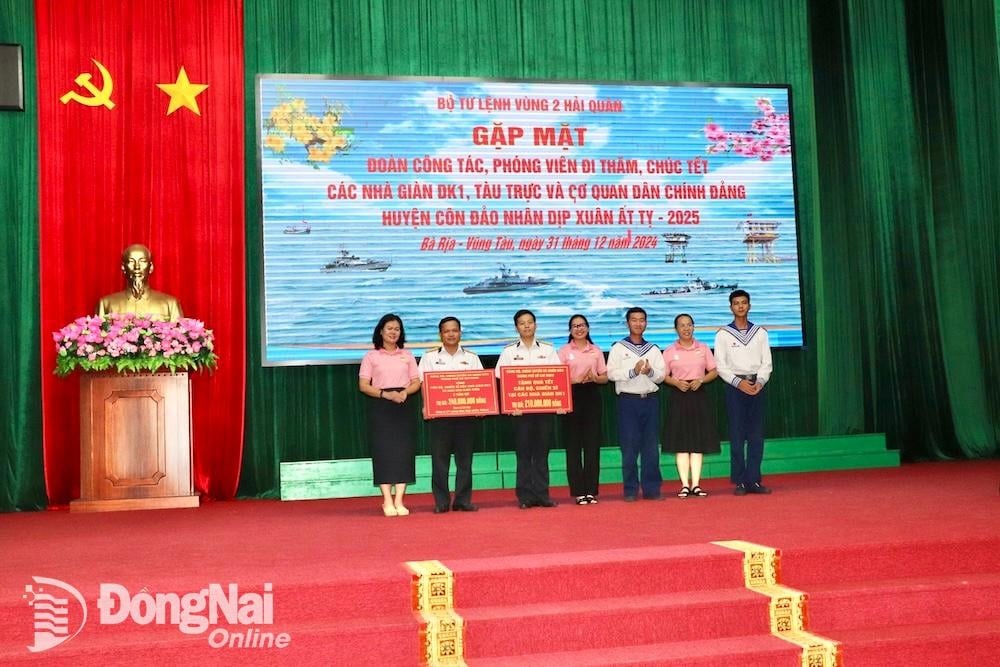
(438, 359)
(742, 353)
(623, 357)
(539, 353)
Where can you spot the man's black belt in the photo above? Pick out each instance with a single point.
(752, 378)
(648, 394)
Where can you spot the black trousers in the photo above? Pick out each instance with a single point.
(582, 440)
(448, 436)
(532, 441)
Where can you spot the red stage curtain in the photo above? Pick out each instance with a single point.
(134, 174)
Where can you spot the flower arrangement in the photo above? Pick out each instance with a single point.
(131, 343)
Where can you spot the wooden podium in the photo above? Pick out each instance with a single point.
(135, 442)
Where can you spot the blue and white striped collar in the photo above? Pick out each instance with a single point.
(640, 348)
(743, 336)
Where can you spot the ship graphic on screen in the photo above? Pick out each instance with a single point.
(505, 281)
(693, 286)
(346, 261)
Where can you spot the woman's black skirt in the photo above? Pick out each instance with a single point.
(690, 423)
(392, 433)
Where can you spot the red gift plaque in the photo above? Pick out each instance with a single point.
(529, 389)
(459, 394)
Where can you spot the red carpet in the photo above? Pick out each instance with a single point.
(899, 565)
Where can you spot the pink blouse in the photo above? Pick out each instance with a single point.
(688, 363)
(580, 361)
(389, 369)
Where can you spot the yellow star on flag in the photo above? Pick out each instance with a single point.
(183, 93)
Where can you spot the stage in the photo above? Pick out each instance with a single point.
(898, 564)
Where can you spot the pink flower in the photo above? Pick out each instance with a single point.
(764, 104)
(714, 132)
(83, 343)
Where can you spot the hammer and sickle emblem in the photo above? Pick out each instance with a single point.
(98, 97)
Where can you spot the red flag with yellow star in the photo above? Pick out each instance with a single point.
(141, 124)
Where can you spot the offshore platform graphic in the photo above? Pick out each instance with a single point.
(759, 237)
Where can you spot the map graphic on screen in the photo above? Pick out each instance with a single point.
(474, 198)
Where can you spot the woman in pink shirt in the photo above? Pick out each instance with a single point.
(582, 427)
(689, 430)
(388, 376)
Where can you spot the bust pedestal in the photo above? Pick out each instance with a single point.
(135, 442)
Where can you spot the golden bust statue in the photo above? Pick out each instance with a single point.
(137, 264)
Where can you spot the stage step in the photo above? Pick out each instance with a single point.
(613, 622)
(762, 650)
(970, 644)
(347, 478)
(352, 478)
(807, 568)
(951, 599)
(588, 575)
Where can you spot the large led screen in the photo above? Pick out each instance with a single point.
(474, 198)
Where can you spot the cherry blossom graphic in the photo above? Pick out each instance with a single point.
(768, 136)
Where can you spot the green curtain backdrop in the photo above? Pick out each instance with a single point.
(909, 238)
(21, 483)
(966, 179)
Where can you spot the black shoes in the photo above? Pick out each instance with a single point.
(756, 487)
(548, 502)
(458, 507)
